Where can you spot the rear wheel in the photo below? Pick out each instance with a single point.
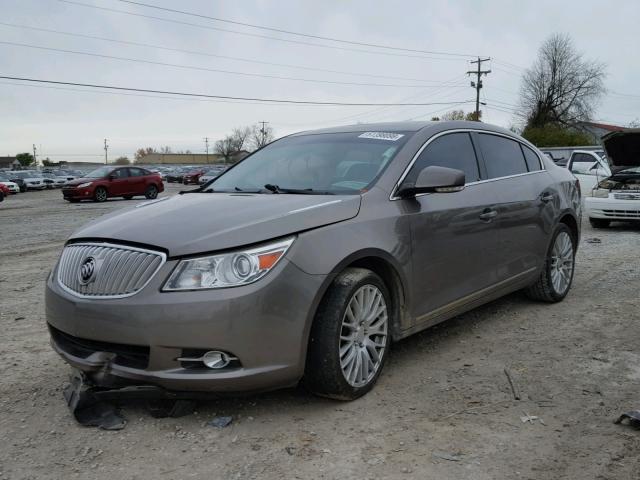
(599, 222)
(1, 195)
(151, 192)
(557, 274)
(100, 194)
(350, 336)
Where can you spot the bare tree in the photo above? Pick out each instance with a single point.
(165, 149)
(261, 136)
(456, 115)
(232, 144)
(561, 87)
(141, 152)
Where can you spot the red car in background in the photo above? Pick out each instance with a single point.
(108, 182)
(193, 176)
(4, 191)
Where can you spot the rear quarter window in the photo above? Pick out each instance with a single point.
(502, 156)
(531, 158)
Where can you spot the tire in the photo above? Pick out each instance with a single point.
(599, 222)
(72, 200)
(327, 371)
(127, 197)
(151, 192)
(23, 189)
(548, 288)
(100, 194)
(1, 196)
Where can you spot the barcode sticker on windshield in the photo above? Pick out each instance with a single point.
(392, 137)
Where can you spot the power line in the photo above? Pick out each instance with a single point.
(213, 55)
(299, 42)
(289, 32)
(204, 95)
(214, 70)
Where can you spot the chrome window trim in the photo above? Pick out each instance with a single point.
(392, 196)
(163, 260)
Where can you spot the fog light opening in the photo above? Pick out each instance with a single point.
(215, 359)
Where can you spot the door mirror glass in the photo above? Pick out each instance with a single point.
(434, 179)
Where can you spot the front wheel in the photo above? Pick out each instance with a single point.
(1, 195)
(599, 222)
(349, 337)
(557, 274)
(151, 192)
(100, 195)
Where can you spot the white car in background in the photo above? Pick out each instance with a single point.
(617, 196)
(13, 187)
(58, 181)
(32, 180)
(210, 175)
(589, 167)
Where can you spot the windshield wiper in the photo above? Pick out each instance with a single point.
(306, 191)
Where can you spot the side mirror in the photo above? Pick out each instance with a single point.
(434, 179)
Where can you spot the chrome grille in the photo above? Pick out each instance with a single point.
(120, 271)
(626, 196)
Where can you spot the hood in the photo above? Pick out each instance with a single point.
(623, 148)
(205, 222)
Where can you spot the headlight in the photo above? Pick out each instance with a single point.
(83, 185)
(227, 269)
(600, 193)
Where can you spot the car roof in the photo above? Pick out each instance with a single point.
(409, 126)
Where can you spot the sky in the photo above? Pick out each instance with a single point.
(225, 59)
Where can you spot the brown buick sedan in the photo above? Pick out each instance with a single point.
(310, 257)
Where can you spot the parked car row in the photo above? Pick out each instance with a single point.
(35, 180)
(190, 175)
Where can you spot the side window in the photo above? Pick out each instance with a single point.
(582, 163)
(502, 156)
(121, 173)
(533, 162)
(136, 172)
(453, 150)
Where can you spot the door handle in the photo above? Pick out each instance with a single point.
(547, 197)
(488, 214)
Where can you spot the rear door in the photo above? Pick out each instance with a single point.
(522, 185)
(454, 236)
(137, 180)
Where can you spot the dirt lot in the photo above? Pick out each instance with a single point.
(443, 408)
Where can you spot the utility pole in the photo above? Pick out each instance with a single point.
(106, 147)
(206, 146)
(35, 157)
(478, 83)
(263, 132)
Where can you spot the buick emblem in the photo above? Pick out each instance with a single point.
(87, 271)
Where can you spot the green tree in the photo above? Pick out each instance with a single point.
(25, 159)
(122, 161)
(553, 135)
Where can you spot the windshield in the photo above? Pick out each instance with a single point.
(334, 163)
(99, 172)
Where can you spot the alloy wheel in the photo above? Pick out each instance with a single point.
(363, 336)
(561, 263)
(101, 194)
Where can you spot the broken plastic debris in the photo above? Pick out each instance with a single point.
(633, 418)
(88, 410)
(446, 456)
(220, 422)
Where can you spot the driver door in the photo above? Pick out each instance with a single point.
(455, 236)
(119, 182)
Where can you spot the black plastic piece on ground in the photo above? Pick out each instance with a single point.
(89, 410)
(633, 418)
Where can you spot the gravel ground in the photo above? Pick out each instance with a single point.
(442, 408)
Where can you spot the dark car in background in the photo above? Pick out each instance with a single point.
(109, 182)
(176, 175)
(308, 258)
